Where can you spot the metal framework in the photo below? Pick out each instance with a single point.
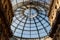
(30, 19)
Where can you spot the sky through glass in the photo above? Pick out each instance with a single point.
(30, 21)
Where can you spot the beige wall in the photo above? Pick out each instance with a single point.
(53, 9)
(49, 38)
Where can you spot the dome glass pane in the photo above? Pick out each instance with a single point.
(30, 18)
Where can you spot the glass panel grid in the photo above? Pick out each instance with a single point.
(28, 21)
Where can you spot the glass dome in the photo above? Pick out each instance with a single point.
(30, 18)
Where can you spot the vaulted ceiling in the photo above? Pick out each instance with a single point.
(8, 8)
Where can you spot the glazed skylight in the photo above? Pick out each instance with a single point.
(30, 18)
